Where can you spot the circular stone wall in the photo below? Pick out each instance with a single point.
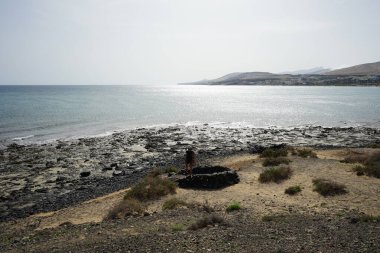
(209, 177)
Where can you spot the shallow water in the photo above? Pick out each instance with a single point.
(41, 113)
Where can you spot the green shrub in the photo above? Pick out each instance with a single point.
(327, 187)
(178, 227)
(207, 221)
(293, 190)
(274, 161)
(233, 207)
(125, 208)
(306, 152)
(269, 152)
(275, 174)
(151, 188)
(173, 203)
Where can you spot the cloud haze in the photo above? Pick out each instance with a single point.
(166, 42)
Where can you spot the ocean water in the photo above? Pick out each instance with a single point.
(42, 113)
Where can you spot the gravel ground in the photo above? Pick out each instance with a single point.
(243, 233)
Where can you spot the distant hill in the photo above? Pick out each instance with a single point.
(312, 71)
(359, 75)
(362, 69)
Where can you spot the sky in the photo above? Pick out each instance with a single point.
(173, 41)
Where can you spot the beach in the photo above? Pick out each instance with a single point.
(59, 193)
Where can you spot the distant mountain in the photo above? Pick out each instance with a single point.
(362, 69)
(312, 71)
(364, 74)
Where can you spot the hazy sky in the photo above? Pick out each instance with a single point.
(166, 42)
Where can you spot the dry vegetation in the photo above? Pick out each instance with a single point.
(152, 187)
(305, 153)
(270, 152)
(209, 220)
(293, 190)
(370, 163)
(275, 174)
(274, 161)
(174, 203)
(327, 187)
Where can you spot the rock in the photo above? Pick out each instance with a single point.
(114, 165)
(85, 173)
(256, 149)
(117, 173)
(106, 168)
(216, 177)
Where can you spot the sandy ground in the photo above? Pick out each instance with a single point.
(259, 199)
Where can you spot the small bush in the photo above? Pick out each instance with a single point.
(293, 190)
(274, 161)
(372, 165)
(233, 207)
(359, 169)
(125, 208)
(171, 170)
(327, 187)
(306, 152)
(178, 227)
(151, 188)
(207, 221)
(269, 152)
(275, 174)
(173, 203)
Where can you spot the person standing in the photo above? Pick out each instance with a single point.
(190, 161)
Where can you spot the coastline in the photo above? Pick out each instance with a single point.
(47, 177)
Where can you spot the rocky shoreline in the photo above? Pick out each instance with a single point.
(47, 177)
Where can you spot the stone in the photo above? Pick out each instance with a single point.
(85, 173)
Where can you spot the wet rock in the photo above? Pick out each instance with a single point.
(85, 173)
(117, 173)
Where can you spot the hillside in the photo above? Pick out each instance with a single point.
(362, 69)
(360, 75)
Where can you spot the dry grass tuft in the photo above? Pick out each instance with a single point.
(210, 220)
(126, 208)
(174, 203)
(306, 152)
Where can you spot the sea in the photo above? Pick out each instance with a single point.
(43, 113)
